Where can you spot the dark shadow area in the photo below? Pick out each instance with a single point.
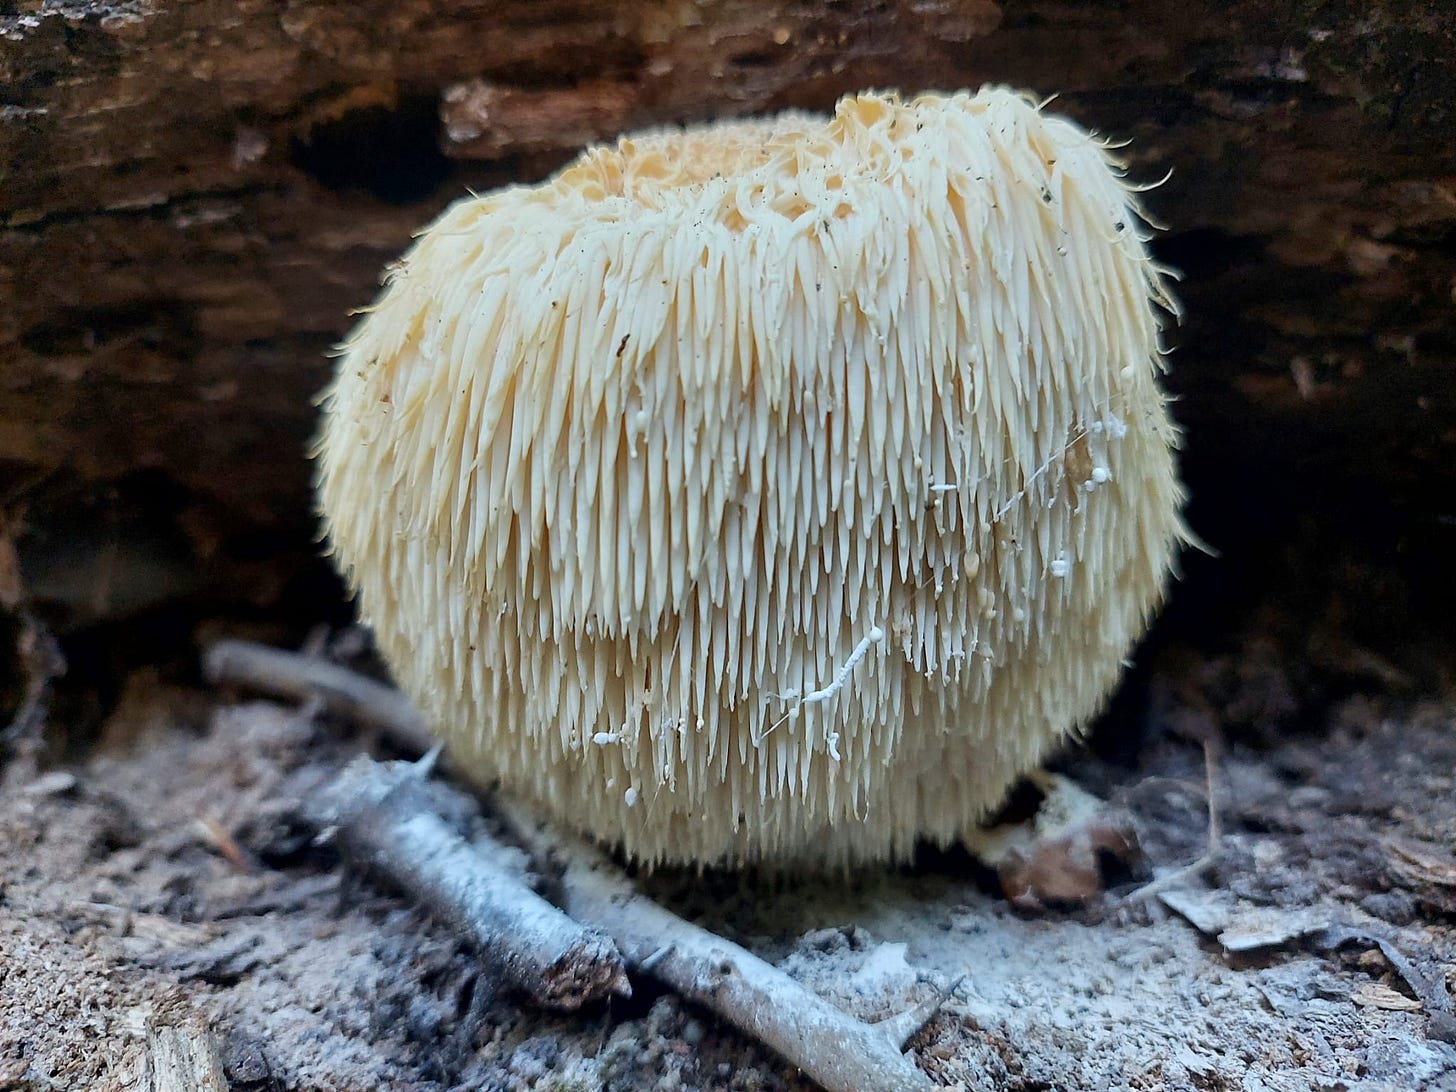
(391, 154)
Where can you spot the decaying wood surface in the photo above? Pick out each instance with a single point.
(182, 1059)
(197, 191)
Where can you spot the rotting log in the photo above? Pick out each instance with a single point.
(196, 192)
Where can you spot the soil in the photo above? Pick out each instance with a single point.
(161, 883)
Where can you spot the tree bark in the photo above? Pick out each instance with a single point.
(198, 191)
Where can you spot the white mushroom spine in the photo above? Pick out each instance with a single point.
(862, 409)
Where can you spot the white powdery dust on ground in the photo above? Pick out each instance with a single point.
(1108, 1006)
(125, 901)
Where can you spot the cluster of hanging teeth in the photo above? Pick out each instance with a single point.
(769, 490)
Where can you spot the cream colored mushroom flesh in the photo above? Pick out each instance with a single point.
(773, 490)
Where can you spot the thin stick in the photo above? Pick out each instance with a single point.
(839, 1052)
(42, 663)
(1215, 835)
(384, 816)
(834, 1049)
(899, 1029)
(1210, 784)
(1431, 992)
(300, 677)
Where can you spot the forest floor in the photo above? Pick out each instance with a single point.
(159, 889)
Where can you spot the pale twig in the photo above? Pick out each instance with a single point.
(1215, 835)
(41, 661)
(300, 677)
(839, 1052)
(383, 815)
(899, 1028)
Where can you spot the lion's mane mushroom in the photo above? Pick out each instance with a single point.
(777, 489)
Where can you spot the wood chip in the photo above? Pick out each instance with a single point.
(1377, 995)
(1423, 863)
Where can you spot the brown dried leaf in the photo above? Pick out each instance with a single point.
(1053, 857)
